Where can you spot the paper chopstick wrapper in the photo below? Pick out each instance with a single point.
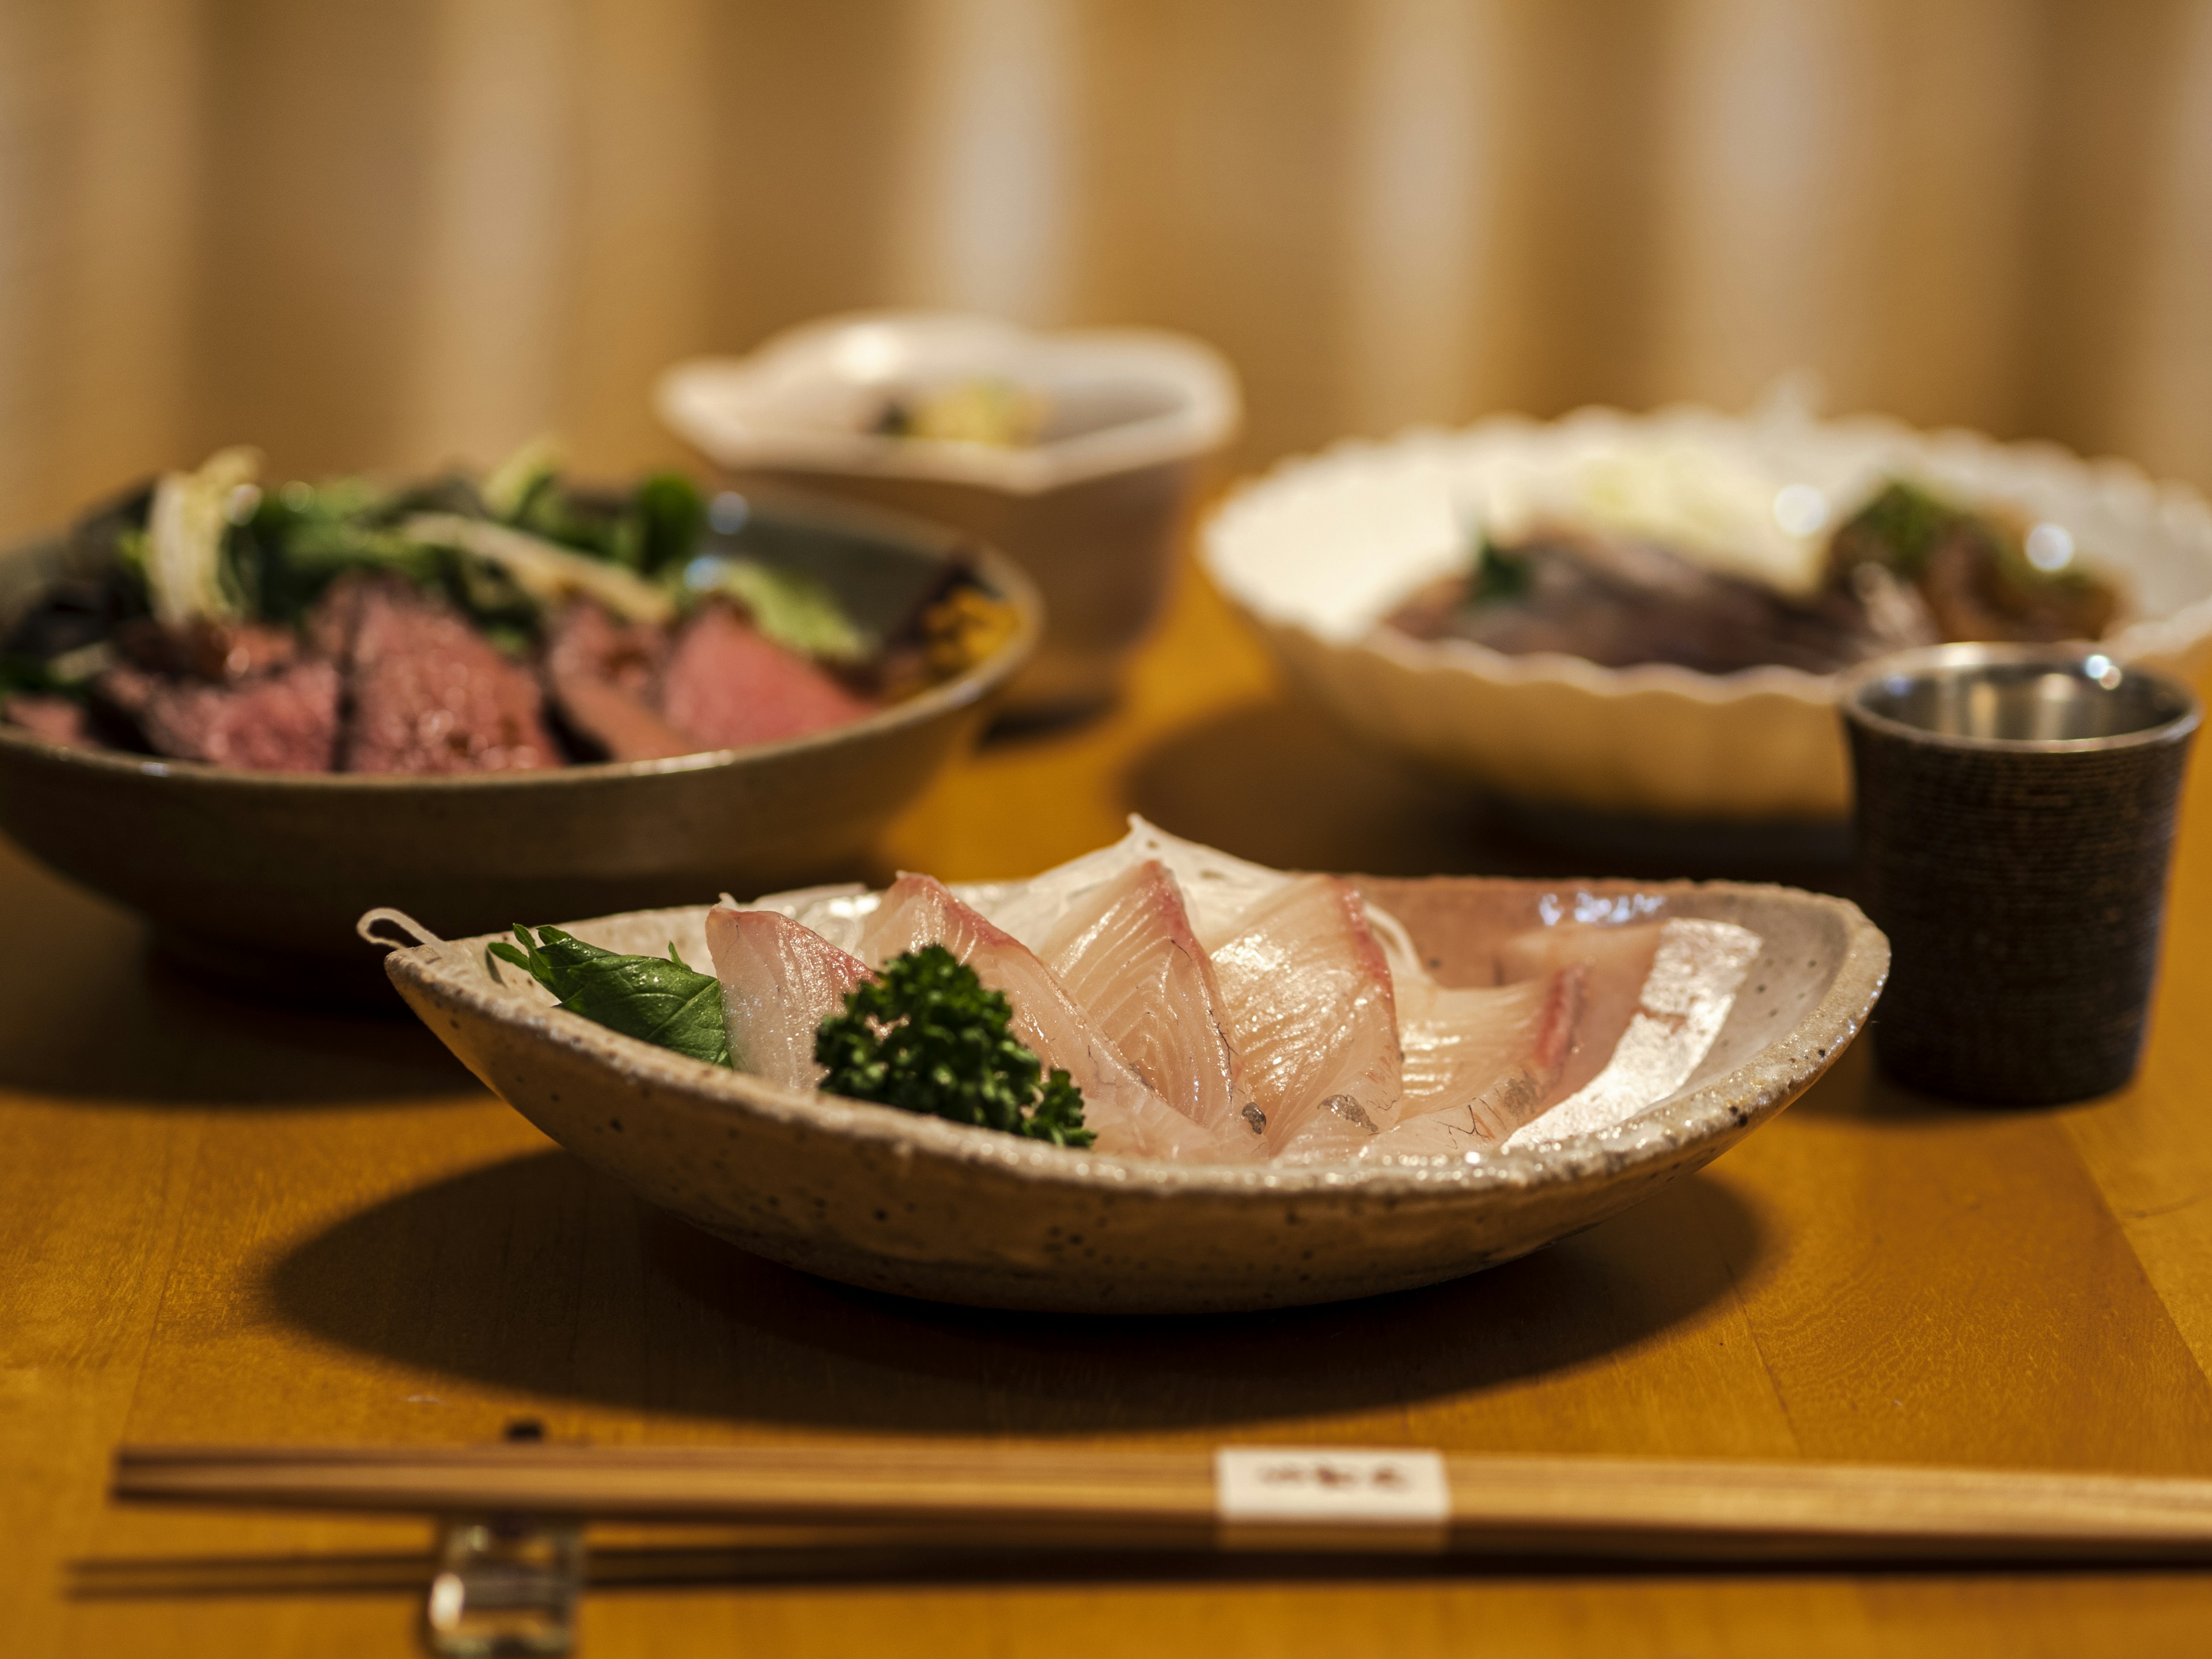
(1273, 1498)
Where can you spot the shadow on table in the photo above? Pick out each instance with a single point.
(1276, 783)
(128, 1029)
(90, 1014)
(540, 1275)
(1858, 1089)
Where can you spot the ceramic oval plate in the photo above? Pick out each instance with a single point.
(917, 1206)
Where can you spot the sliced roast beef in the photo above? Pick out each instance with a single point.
(425, 691)
(726, 685)
(220, 652)
(284, 721)
(602, 676)
(57, 720)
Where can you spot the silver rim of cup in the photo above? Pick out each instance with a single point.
(1960, 661)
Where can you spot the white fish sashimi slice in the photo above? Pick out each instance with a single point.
(1488, 1058)
(1312, 1016)
(1479, 1063)
(1617, 960)
(780, 981)
(1695, 975)
(1127, 1117)
(1130, 957)
(837, 913)
(1216, 888)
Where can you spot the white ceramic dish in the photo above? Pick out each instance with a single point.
(1316, 552)
(923, 1207)
(1094, 510)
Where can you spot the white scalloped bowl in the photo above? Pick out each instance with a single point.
(1316, 552)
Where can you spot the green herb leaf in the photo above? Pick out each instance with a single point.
(1500, 574)
(926, 1036)
(1897, 529)
(659, 999)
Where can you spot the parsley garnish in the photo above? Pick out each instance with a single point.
(926, 1036)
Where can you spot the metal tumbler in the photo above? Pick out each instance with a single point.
(2015, 820)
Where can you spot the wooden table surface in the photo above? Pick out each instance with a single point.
(224, 1222)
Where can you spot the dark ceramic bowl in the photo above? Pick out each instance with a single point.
(258, 877)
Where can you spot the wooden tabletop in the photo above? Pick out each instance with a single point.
(220, 1222)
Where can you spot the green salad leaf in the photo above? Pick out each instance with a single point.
(188, 522)
(505, 551)
(659, 999)
(658, 526)
(792, 608)
(20, 672)
(672, 519)
(300, 537)
(507, 489)
(926, 1035)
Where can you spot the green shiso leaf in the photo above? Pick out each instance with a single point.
(659, 1000)
(926, 1035)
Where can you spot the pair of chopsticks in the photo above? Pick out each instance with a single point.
(952, 1496)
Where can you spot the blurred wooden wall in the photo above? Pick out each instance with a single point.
(376, 233)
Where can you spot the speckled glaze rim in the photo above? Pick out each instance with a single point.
(1851, 694)
(1778, 1072)
(2179, 507)
(1005, 580)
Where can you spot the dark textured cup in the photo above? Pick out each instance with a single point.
(2016, 819)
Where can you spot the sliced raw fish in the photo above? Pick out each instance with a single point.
(1129, 956)
(1216, 888)
(780, 981)
(1311, 1015)
(1478, 1062)
(1128, 1116)
(1617, 960)
(1695, 975)
(839, 911)
(1489, 1058)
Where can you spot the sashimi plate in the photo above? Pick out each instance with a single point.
(921, 1206)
